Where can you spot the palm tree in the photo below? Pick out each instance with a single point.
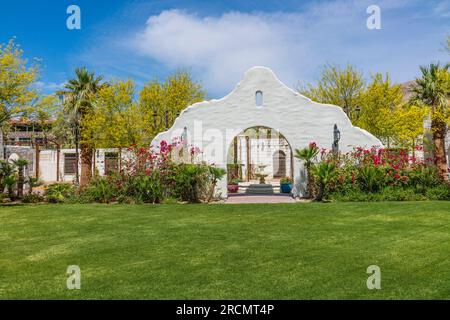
(10, 181)
(79, 97)
(308, 154)
(324, 173)
(432, 90)
(32, 182)
(6, 169)
(20, 164)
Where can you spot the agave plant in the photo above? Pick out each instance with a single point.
(324, 173)
(20, 164)
(308, 154)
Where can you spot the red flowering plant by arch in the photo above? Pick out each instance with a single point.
(375, 169)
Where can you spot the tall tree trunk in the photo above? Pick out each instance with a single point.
(86, 164)
(20, 183)
(438, 128)
(310, 182)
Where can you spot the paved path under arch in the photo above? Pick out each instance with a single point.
(263, 198)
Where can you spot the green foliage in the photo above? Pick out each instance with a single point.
(32, 198)
(341, 87)
(32, 183)
(172, 96)
(145, 188)
(371, 178)
(432, 90)
(10, 182)
(16, 83)
(286, 180)
(190, 182)
(377, 103)
(59, 192)
(6, 169)
(323, 173)
(439, 192)
(100, 189)
(308, 155)
(385, 194)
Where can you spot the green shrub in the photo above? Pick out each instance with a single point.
(440, 192)
(370, 177)
(128, 199)
(386, 194)
(423, 177)
(99, 189)
(32, 198)
(191, 182)
(59, 192)
(144, 188)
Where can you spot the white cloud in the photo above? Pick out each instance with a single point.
(50, 86)
(220, 48)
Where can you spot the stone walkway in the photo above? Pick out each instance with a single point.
(266, 198)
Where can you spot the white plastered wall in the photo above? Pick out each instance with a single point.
(212, 125)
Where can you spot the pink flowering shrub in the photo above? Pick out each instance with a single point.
(157, 173)
(379, 170)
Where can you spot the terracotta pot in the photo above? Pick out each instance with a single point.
(233, 188)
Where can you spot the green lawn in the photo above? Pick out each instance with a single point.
(279, 251)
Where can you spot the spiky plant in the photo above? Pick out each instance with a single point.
(308, 154)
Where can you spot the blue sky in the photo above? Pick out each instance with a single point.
(218, 40)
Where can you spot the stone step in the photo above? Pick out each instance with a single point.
(259, 189)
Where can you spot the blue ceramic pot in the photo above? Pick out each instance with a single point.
(286, 187)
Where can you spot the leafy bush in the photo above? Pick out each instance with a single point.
(144, 188)
(191, 182)
(59, 192)
(32, 198)
(387, 194)
(381, 175)
(99, 189)
(440, 192)
(370, 177)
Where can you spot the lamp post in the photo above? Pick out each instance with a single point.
(336, 138)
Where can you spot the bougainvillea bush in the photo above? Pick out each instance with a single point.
(378, 174)
(154, 175)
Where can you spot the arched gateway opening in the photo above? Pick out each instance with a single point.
(257, 159)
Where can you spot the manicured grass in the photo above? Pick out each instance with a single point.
(279, 251)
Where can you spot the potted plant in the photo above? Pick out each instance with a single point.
(286, 185)
(233, 186)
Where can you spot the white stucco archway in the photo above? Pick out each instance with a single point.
(260, 99)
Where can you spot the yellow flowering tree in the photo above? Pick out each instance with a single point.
(378, 103)
(16, 83)
(158, 101)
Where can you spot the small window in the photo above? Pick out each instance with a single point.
(70, 163)
(259, 98)
(111, 162)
